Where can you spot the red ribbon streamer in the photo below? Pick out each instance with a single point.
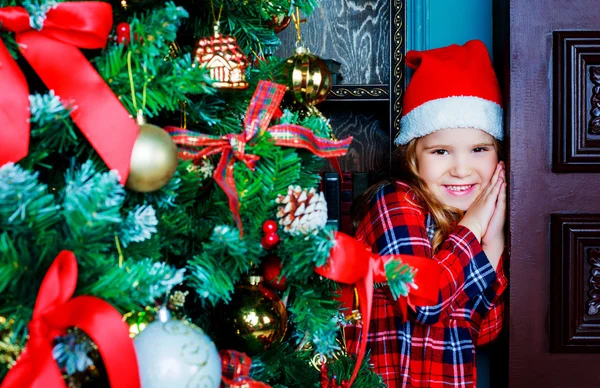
(236, 368)
(53, 52)
(53, 314)
(263, 105)
(351, 262)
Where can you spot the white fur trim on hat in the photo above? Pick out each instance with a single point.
(451, 112)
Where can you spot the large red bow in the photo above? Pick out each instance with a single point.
(351, 262)
(53, 52)
(53, 314)
(263, 105)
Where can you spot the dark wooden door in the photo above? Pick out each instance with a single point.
(552, 70)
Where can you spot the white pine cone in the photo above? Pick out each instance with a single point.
(302, 211)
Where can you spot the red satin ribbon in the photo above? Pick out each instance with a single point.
(53, 52)
(53, 314)
(351, 262)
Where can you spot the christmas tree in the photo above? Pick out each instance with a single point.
(224, 232)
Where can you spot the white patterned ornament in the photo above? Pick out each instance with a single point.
(177, 354)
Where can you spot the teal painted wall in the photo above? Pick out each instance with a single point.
(437, 23)
(457, 21)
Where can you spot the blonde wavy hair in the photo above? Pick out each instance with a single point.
(444, 217)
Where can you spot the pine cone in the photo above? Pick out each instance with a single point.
(302, 211)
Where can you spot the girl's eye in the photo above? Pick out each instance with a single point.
(440, 152)
(480, 149)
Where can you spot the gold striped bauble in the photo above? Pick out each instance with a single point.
(308, 77)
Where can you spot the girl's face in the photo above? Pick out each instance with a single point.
(456, 164)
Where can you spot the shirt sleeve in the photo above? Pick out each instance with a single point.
(395, 224)
(488, 310)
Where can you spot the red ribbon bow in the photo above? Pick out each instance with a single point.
(263, 105)
(53, 52)
(351, 262)
(236, 368)
(53, 314)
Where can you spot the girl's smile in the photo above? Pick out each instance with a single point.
(460, 190)
(456, 164)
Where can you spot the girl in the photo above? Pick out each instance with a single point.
(450, 207)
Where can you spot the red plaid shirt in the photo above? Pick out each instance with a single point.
(435, 347)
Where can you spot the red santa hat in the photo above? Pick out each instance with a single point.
(452, 87)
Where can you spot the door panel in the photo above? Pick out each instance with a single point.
(554, 176)
(575, 283)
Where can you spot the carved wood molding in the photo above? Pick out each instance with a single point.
(397, 62)
(575, 148)
(575, 283)
(594, 282)
(359, 93)
(396, 71)
(594, 124)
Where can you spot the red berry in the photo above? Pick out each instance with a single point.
(269, 226)
(271, 271)
(123, 33)
(272, 238)
(265, 243)
(269, 240)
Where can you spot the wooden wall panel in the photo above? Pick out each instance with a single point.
(367, 38)
(576, 97)
(575, 283)
(367, 123)
(355, 33)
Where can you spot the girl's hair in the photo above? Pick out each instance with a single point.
(405, 159)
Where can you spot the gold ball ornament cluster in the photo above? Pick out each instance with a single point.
(153, 159)
(308, 77)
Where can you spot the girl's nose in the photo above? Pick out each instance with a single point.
(460, 169)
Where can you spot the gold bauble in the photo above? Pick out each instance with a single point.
(308, 77)
(153, 159)
(254, 319)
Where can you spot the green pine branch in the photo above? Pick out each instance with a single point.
(399, 276)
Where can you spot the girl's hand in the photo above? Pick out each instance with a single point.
(493, 239)
(478, 216)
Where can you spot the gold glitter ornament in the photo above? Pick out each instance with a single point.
(254, 319)
(9, 350)
(307, 76)
(139, 320)
(153, 159)
(224, 58)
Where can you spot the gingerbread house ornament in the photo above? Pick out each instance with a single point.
(222, 55)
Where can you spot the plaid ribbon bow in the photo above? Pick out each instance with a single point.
(263, 105)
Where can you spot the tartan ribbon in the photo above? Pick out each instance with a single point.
(352, 262)
(263, 105)
(54, 312)
(236, 368)
(53, 53)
